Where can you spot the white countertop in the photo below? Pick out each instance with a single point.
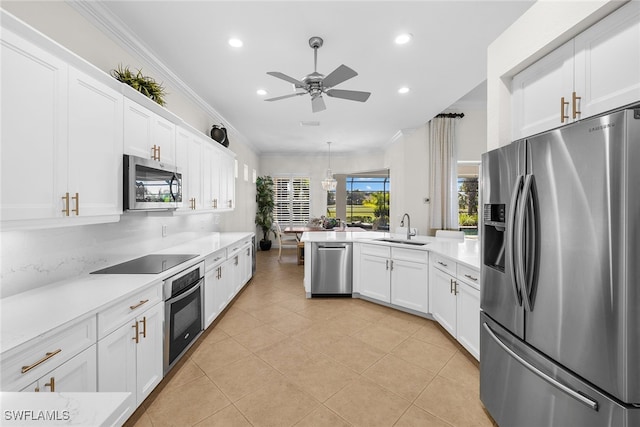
(62, 409)
(467, 252)
(30, 314)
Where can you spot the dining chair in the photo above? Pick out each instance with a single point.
(283, 239)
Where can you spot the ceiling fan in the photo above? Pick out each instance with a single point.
(316, 84)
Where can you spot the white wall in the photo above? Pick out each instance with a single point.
(544, 27)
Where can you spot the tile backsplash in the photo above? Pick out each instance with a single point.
(35, 258)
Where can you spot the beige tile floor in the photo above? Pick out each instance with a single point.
(276, 358)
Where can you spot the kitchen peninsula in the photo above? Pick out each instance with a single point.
(431, 277)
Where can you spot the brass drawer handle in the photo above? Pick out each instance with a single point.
(66, 204)
(133, 307)
(475, 279)
(144, 327)
(77, 199)
(46, 357)
(52, 384)
(563, 103)
(574, 102)
(135, 338)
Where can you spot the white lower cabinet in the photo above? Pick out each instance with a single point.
(393, 275)
(77, 375)
(130, 358)
(214, 302)
(454, 301)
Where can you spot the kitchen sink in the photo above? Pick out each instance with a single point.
(403, 242)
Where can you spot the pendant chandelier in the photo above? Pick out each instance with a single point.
(328, 183)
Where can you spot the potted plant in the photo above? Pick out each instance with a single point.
(264, 214)
(143, 84)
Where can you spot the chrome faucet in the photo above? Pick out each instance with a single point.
(409, 233)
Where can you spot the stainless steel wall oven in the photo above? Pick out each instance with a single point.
(183, 321)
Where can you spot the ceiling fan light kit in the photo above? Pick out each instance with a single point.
(316, 84)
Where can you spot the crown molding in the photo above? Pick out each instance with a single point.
(115, 29)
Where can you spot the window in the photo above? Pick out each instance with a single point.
(468, 198)
(292, 200)
(367, 201)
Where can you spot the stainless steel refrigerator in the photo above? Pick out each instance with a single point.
(560, 296)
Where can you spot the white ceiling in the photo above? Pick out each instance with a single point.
(445, 60)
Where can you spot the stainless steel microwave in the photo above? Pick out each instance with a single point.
(151, 185)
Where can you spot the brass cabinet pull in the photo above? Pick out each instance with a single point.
(450, 286)
(144, 327)
(77, 199)
(475, 279)
(158, 153)
(133, 307)
(236, 263)
(135, 337)
(574, 104)
(391, 265)
(455, 287)
(386, 264)
(46, 357)
(37, 389)
(562, 105)
(52, 384)
(66, 204)
(215, 203)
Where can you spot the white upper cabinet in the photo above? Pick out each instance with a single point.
(34, 130)
(61, 141)
(597, 71)
(208, 182)
(95, 145)
(607, 62)
(148, 135)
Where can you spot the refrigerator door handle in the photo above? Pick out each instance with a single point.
(524, 209)
(571, 392)
(511, 236)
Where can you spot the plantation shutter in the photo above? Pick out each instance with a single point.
(300, 209)
(292, 200)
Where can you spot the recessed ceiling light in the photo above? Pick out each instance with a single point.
(403, 90)
(309, 123)
(261, 92)
(233, 42)
(403, 38)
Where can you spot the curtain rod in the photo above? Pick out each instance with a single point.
(451, 115)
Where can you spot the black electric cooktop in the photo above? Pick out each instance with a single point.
(148, 264)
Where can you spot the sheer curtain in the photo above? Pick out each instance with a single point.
(444, 176)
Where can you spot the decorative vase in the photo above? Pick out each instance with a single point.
(265, 245)
(219, 134)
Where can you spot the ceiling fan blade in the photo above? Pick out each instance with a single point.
(352, 95)
(279, 75)
(317, 104)
(277, 98)
(337, 76)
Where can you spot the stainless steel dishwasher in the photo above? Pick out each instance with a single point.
(331, 269)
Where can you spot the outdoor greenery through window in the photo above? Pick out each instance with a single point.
(367, 202)
(468, 200)
(292, 200)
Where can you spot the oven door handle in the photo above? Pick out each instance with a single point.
(186, 293)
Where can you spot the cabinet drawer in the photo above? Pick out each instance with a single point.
(375, 250)
(410, 255)
(234, 249)
(444, 264)
(468, 275)
(214, 259)
(46, 353)
(121, 312)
